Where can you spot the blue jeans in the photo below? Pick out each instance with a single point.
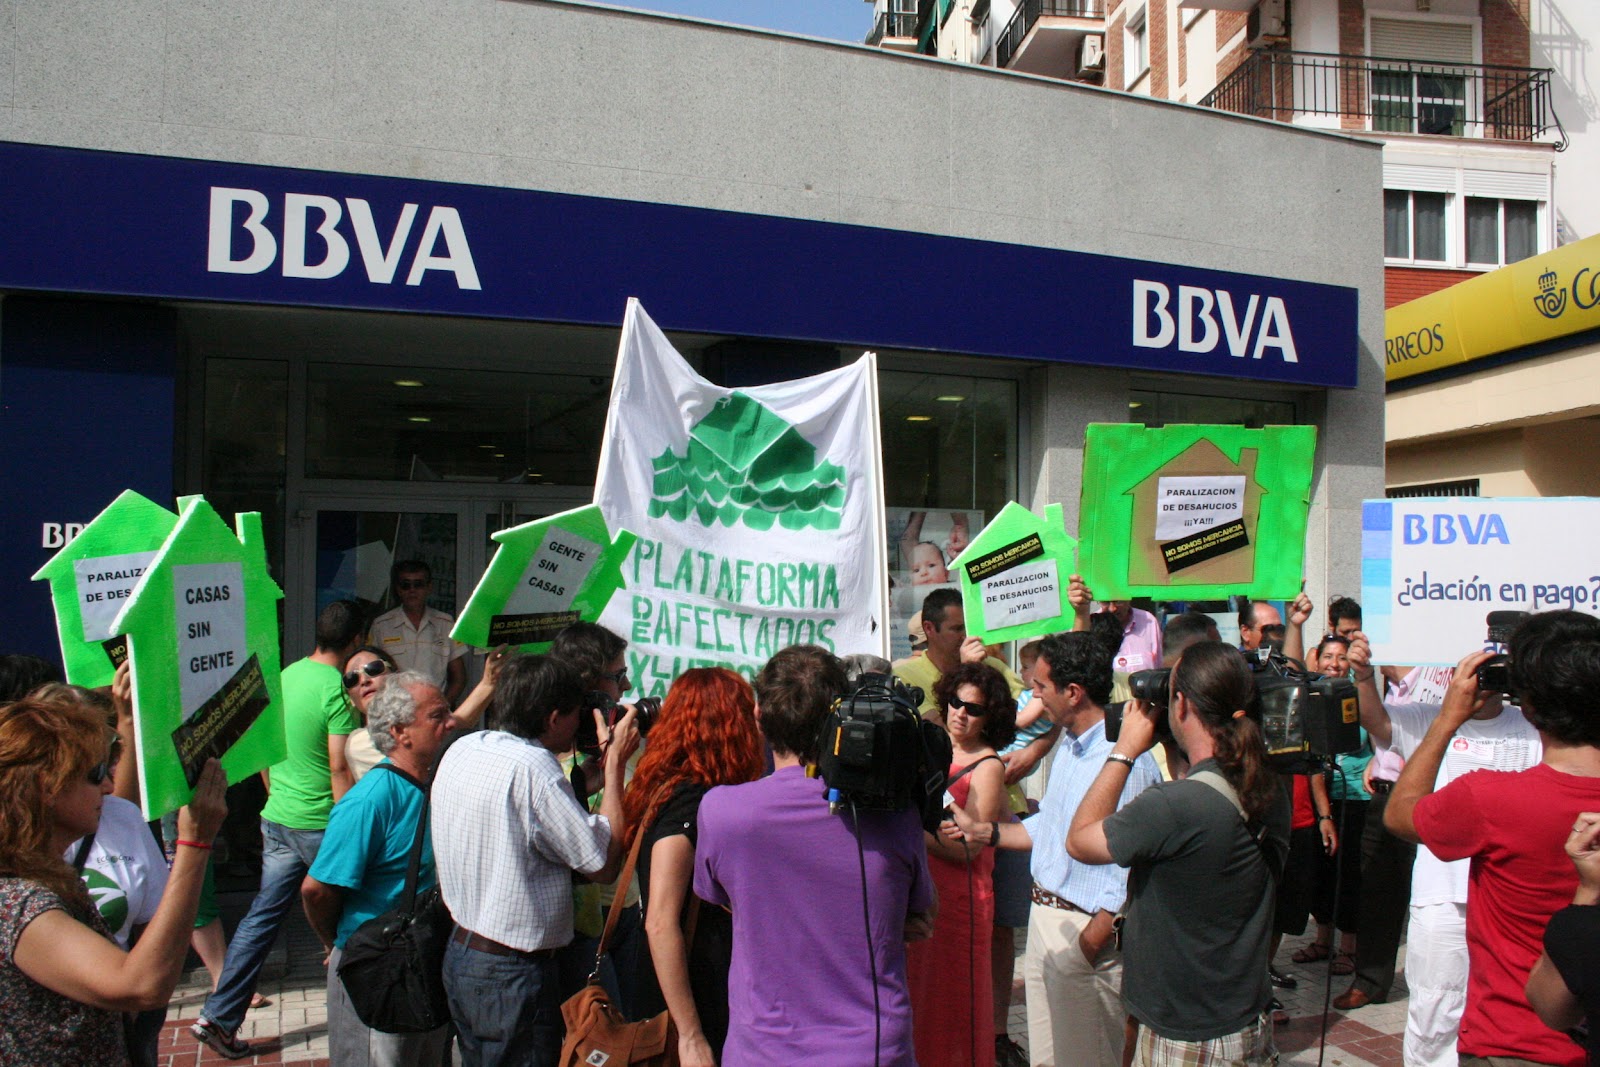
(286, 856)
(506, 1009)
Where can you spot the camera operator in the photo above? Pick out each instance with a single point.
(1493, 737)
(805, 984)
(1512, 826)
(1204, 854)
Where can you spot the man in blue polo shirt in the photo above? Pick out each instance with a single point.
(360, 872)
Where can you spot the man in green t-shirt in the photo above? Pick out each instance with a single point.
(317, 717)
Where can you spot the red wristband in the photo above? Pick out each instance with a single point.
(194, 844)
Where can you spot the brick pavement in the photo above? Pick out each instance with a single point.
(293, 1029)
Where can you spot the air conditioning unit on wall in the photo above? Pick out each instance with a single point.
(1092, 54)
(1269, 24)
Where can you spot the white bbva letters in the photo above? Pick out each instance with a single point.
(1198, 310)
(332, 248)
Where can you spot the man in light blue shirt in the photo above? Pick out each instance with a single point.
(1072, 968)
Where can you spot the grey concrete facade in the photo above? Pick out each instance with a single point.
(567, 97)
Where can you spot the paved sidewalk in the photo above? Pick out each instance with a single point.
(294, 1027)
(1366, 1037)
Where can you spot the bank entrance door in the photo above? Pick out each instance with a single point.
(341, 544)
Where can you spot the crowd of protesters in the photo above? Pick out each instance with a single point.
(1154, 868)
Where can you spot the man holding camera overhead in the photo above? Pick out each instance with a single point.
(1204, 855)
(1512, 827)
(1489, 736)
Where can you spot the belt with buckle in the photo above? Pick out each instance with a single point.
(477, 942)
(1041, 895)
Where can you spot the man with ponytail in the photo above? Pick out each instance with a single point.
(1204, 854)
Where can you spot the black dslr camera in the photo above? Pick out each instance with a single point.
(1494, 673)
(876, 752)
(588, 741)
(1154, 688)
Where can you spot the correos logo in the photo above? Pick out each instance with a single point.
(258, 250)
(1202, 318)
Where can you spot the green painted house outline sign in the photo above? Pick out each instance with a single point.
(545, 575)
(1195, 512)
(93, 576)
(1014, 574)
(202, 633)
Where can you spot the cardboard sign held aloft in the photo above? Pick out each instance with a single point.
(1014, 575)
(545, 575)
(1195, 512)
(1433, 569)
(92, 578)
(202, 634)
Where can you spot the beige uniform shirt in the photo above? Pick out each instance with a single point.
(426, 649)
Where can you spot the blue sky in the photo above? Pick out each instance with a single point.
(842, 20)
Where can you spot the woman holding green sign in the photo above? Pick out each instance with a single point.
(63, 980)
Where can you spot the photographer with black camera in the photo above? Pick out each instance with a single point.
(1204, 854)
(1512, 826)
(1494, 736)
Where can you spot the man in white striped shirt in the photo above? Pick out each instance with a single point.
(508, 832)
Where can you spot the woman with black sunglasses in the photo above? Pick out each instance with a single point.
(365, 671)
(63, 979)
(952, 1003)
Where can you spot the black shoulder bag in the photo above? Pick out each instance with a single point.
(392, 966)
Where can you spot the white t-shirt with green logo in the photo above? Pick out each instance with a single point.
(125, 871)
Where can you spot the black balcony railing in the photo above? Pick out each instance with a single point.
(1391, 95)
(893, 24)
(1029, 12)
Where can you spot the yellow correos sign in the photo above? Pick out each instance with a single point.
(1538, 299)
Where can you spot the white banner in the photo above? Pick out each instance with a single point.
(1433, 569)
(759, 512)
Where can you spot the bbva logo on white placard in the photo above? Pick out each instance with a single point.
(380, 260)
(1204, 317)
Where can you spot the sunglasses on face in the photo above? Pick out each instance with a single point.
(971, 707)
(100, 772)
(617, 676)
(372, 669)
(411, 583)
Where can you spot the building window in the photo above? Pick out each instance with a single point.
(1501, 231)
(1427, 92)
(1414, 226)
(1136, 59)
(1163, 409)
(1464, 487)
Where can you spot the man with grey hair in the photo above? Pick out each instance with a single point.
(361, 870)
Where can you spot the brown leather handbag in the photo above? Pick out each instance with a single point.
(597, 1033)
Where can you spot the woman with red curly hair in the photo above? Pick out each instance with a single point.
(706, 736)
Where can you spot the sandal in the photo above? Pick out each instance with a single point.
(1315, 952)
(1343, 963)
(259, 1001)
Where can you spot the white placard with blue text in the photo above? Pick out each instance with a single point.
(1432, 569)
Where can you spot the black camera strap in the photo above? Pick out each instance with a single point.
(1257, 829)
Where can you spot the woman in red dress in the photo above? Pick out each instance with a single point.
(951, 999)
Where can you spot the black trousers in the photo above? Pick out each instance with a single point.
(1385, 901)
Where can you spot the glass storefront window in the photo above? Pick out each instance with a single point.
(243, 459)
(440, 424)
(948, 441)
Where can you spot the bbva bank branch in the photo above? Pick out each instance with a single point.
(361, 267)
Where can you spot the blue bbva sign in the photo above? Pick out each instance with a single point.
(100, 222)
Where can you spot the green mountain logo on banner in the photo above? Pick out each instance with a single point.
(745, 464)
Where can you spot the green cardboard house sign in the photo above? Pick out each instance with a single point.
(1195, 512)
(1014, 575)
(545, 575)
(92, 578)
(202, 631)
